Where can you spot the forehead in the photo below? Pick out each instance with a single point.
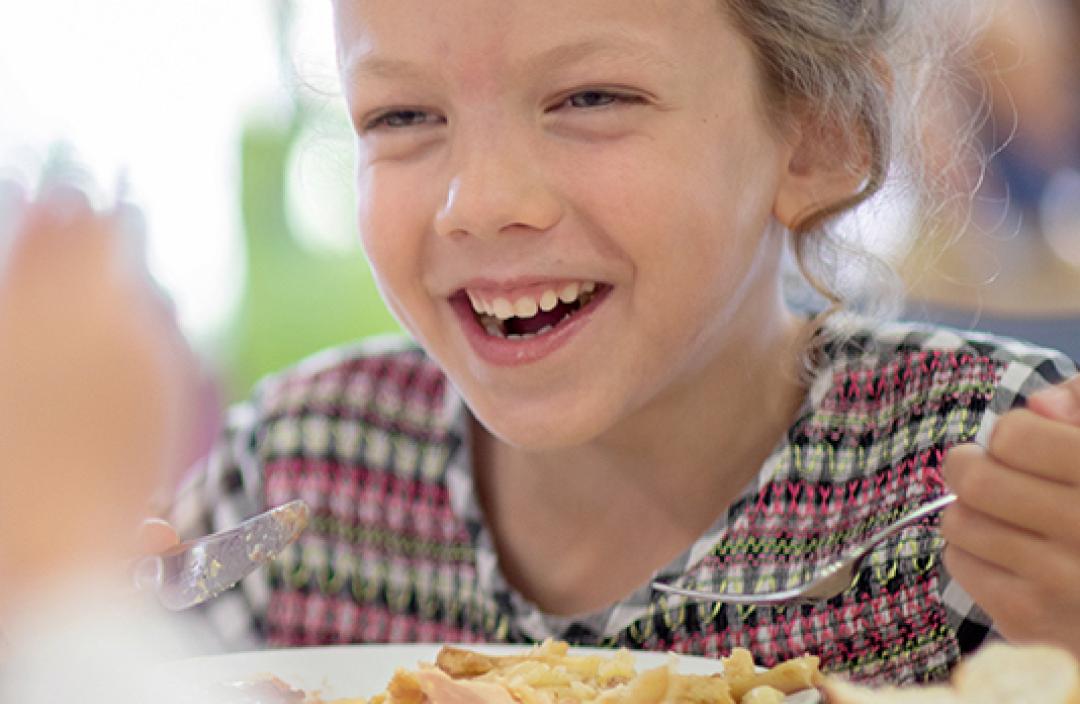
(391, 37)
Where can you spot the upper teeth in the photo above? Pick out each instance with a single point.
(529, 305)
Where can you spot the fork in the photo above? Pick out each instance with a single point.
(830, 581)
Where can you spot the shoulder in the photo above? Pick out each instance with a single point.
(861, 345)
(388, 381)
(931, 368)
(862, 340)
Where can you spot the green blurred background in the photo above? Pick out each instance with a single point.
(296, 299)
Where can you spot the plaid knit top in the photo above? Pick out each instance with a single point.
(373, 438)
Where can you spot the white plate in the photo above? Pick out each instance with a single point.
(364, 670)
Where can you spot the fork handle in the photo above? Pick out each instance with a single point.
(913, 517)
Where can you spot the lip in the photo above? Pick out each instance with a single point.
(502, 352)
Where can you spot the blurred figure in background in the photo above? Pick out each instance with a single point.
(1014, 268)
(99, 402)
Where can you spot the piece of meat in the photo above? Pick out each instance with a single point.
(444, 689)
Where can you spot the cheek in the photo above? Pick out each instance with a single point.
(678, 187)
(392, 231)
(392, 219)
(691, 227)
(693, 216)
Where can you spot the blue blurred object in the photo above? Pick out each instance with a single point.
(1056, 332)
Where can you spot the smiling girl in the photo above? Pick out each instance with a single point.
(579, 210)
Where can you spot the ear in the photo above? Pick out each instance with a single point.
(825, 166)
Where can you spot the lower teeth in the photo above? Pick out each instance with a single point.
(528, 336)
(494, 327)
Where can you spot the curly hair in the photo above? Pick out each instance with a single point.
(857, 69)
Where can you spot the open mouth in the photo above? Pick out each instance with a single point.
(532, 316)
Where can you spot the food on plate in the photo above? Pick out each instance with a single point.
(262, 689)
(551, 674)
(268, 690)
(548, 674)
(998, 674)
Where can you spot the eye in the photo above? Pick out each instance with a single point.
(595, 98)
(591, 99)
(401, 118)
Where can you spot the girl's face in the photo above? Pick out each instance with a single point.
(600, 170)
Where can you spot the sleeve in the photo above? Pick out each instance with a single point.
(225, 489)
(1028, 370)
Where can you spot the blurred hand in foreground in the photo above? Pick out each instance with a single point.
(1014, 534)
(98, 388)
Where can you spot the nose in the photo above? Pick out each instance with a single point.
(495, 187)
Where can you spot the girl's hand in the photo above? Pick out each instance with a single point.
(1014, 535)
(97, 387)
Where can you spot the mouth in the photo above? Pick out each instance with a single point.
(534, 313)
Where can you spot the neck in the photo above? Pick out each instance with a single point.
(674, 466)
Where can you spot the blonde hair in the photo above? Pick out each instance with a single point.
(857, 70)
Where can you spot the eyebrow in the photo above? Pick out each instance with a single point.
(611, 46)
(379, 67)
(608, 46)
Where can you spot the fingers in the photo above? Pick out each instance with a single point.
(61, 238)
(64, 201)
(1011, 549)
(62, 218)
(59, 214)
(156, 536)
(1021, 499)
(58, 233)
(1033, 443)
(989, 539)
(13, 200)
(1012, 602)
(1061, 402)
(1014, 534)
(1023, 610)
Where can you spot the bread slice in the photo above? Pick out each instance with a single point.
(1015, 674)
(997, 674)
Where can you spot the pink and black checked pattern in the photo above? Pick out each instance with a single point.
(373, 438)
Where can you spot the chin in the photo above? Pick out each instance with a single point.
(540, 430)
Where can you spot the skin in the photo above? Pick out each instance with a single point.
(494, 158)
(97, 394)
(1014, 534)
